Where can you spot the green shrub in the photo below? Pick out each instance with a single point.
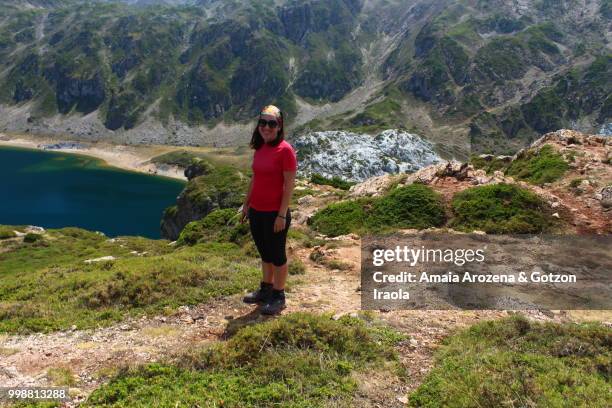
(224, 187)
(218, 226)
(32, 237)
(338, 264)
(500, 209)
(305, 237)
(6, 232)
(334, 181)
(296, 267)
(488, 165)
(538, 167)
(515, 362)
(340, 218)
(170, 211)
(413, 206)
(298, 360)
(61, 376)
(575, 182)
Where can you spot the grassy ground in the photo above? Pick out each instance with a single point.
(297, 360)
(517, 363)
(538, 167)
(534, 166)
(46, 285)
(309, 360)
(238, 157)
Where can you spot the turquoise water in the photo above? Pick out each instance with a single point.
(54, 190)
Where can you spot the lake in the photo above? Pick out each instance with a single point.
(54, 190)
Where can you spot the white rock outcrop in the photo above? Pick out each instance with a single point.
(357, 156)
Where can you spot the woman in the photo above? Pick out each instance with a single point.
(267, 206)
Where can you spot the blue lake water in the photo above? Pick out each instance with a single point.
(54, 190)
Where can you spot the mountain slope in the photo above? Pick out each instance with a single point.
(493, 73)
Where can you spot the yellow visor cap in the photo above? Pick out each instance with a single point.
(270, 110)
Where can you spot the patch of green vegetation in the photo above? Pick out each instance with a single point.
(384, 114)
(296, 267)
(297, 360)
(334, 181)
(305, 237)
(488, 164)
(31, 237)
(224, 187)
(522, 363)
(502, 133)
(334, 64)
(340, 218)
(182, 158)
(413, 206)
(539, 38)
(218, 226)
(6, 232)
(338, 264)
(500, 209)
(170, 211)
(539, 166)
(468, 105)
(50, 287)
(502, 24)
(577, 93)
(575, 182)
(61, 376)
(502, 59)
(543, 112)
(432, 80)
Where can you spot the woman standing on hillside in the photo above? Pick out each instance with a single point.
(267, 206)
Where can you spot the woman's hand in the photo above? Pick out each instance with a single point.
(279, 224)
(244, 214)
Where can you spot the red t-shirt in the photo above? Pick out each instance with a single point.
(269, 162)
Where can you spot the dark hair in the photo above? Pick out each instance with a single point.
(257, 140)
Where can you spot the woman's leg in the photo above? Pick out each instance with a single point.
(258, 224)
(280, 276)
(268, 272)
(279, 256)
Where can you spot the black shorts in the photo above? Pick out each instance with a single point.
(270, 244)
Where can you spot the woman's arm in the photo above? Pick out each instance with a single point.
(288, 185)
(245, 205)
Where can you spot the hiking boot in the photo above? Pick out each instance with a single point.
(261, 295)
(275, 304)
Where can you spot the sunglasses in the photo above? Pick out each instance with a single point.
(272, 124)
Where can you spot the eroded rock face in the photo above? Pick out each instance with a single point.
(85, 95)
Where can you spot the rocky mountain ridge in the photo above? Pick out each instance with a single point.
(496, 73)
